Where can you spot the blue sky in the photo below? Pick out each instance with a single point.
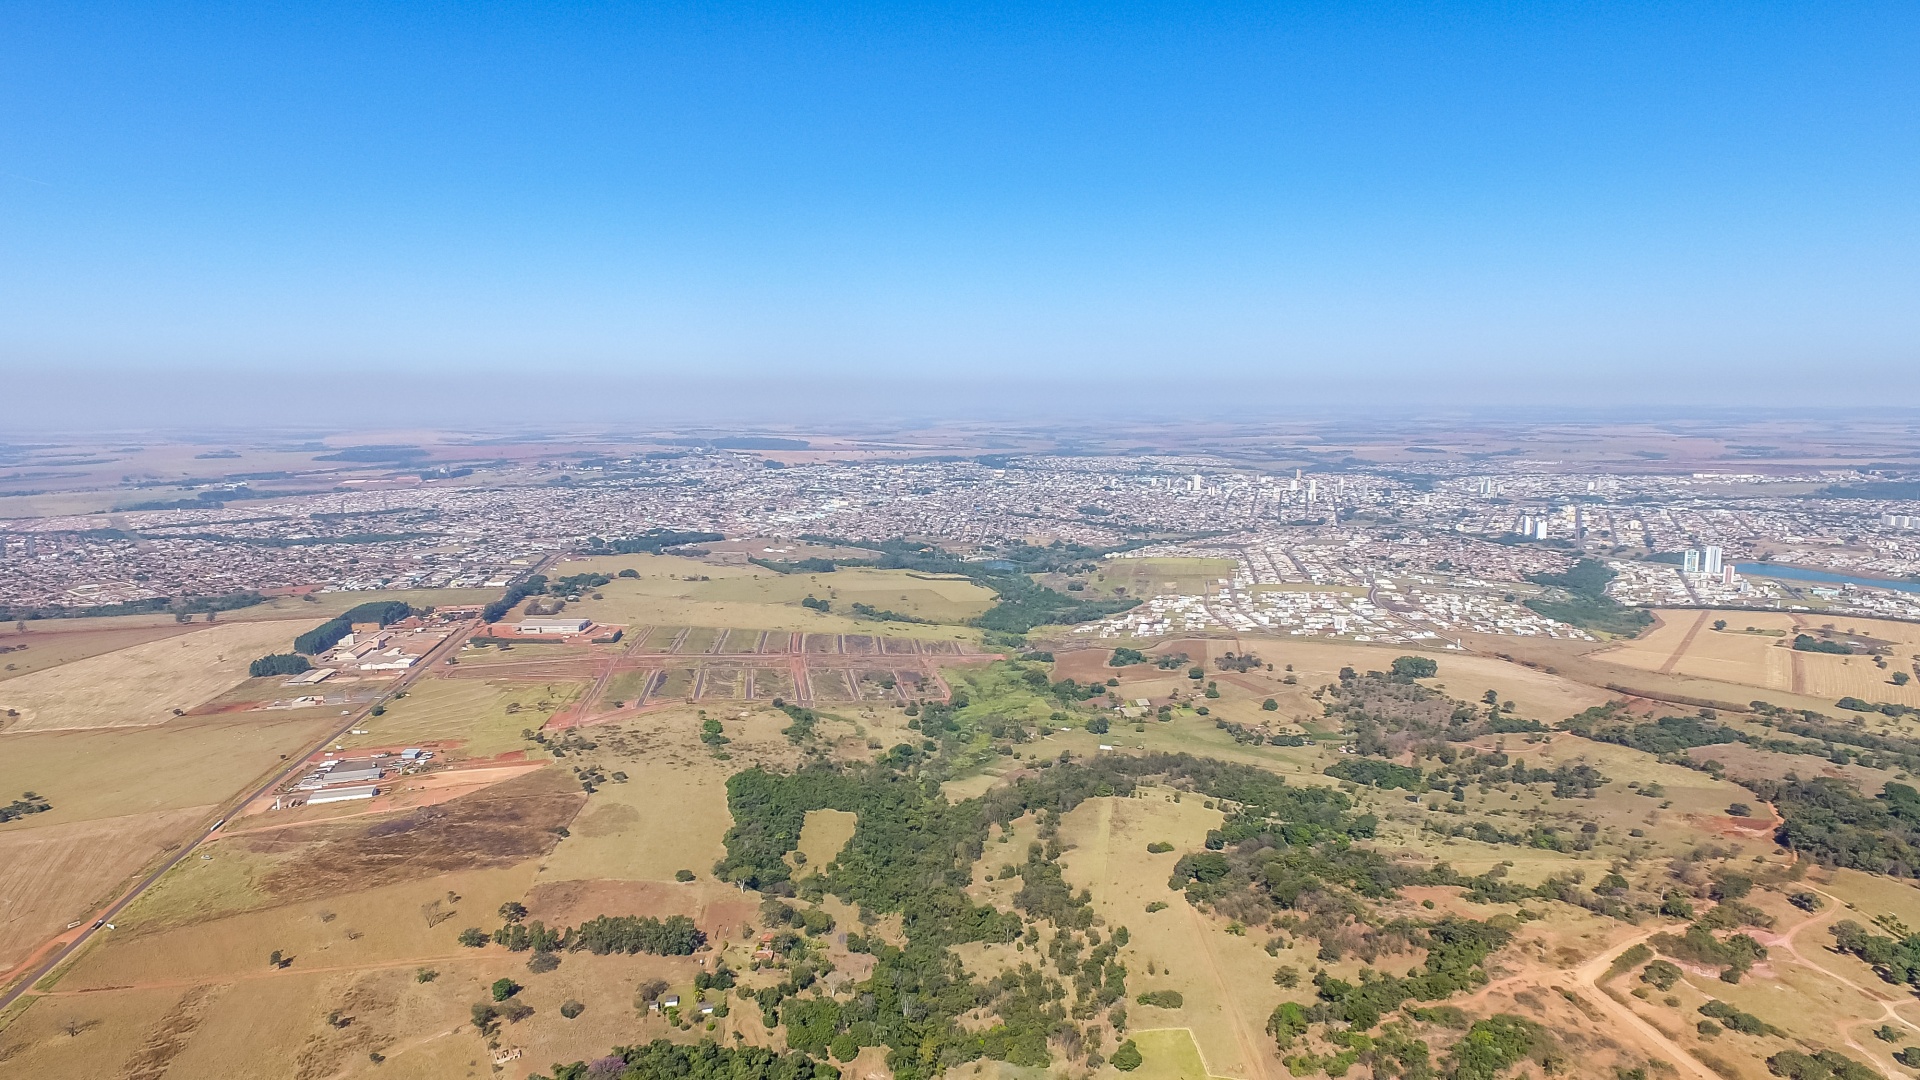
(1479, 202)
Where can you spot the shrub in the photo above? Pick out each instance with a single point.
(1661, 975)
(1270, 705)
(542, 962)
(1127, 1058)
(683, 875)
(1159, 847)
(1162, 999)
(571, 1008)
(1825, 1065)
(473, 937)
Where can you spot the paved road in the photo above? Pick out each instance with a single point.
(295, 764)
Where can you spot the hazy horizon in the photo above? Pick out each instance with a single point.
(768, 207)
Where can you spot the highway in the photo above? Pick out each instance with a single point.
(96, 924)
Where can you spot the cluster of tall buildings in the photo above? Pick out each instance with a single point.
(1901, 521)
(1709, 562)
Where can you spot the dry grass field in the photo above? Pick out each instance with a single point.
(674, 591)
(1225, 980)
(54, 875)
(823, 837)
(1535, 693)
(483, 717)
(923, 596)
(50, 644)
(300, 613)
(141, 684)
(1686, 644)
(1150, 577)
(114, 772)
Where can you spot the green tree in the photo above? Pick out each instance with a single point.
(1415, 667)
(504, 989)
(1127, 1058)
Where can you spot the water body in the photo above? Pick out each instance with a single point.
(1823, 577)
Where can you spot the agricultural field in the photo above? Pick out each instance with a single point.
(121, 797)
(47, 885)
(140, 684)
(1756, 650)
(48, 645)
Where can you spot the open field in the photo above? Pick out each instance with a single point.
(1169, 1054)
(924, 596)
(825, 835)
(141, 684)
(686, 592)
(1225, 980)
(301, 613)
(1535, 693)
(1686, 644)
(484, 717)
(46, 883)
(1149, 577)
(114, 772)
(48, 644)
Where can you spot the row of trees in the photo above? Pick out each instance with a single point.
(675, 935)
(328, 634)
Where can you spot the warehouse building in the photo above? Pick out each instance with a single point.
(351, 772)
(342, 794)
(537, 627)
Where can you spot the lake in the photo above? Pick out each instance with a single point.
(1824, 577)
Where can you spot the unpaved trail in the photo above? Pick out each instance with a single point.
(1587, 976)
(1250, 1050)
(1888, 1005)
(1686, 642)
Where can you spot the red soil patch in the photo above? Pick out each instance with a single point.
(1084, 666)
